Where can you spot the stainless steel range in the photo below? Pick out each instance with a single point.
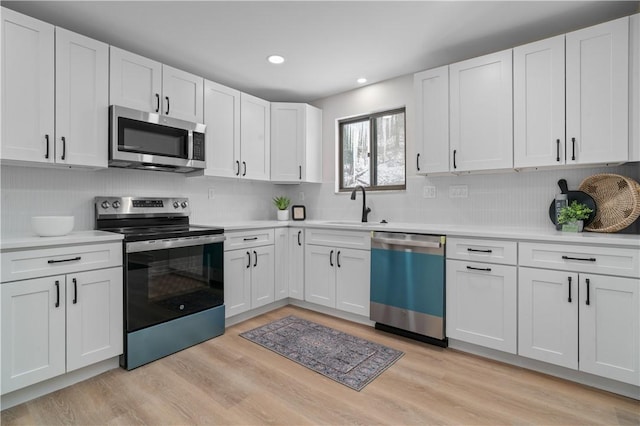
(173, 276)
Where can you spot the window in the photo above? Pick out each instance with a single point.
(372, 151)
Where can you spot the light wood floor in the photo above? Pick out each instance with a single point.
(229, 380)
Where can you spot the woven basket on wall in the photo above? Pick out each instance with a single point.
(617, 198)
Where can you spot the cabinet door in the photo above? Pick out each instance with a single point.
(610, 327)
(288, 140)
(222, 117)
(296, 263)
(237, 282)
(320, 275)
(312, 166)
(94, 317)
(481, 125)
(262, 276)
(27, 88)
(598, 93)
(482, 304)
(352, 281)
(33, 331)
(548, 316)
(255, 146)
(431, 91)
(82, 100)
(183, 95)
(135, 81)
(538, 103)
(281, 263)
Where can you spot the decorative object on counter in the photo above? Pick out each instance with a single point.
(617, 198)
(560, 203)
(298, 213)
(579, 196)
(282, 203)
(572, 217)
(52, 226)
(347, 359)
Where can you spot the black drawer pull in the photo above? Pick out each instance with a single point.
(418, 161)
(248, 260)
(569, 279)
(338, 259)
(256, 262)
(480, 251)
(299, 234)
(57, 294)
(331, 258)
(588, 302)
(64, 260)
(250, 239)
(584, 259)
(479, 269)
(75, 291)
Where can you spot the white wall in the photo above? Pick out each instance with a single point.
(499, 199)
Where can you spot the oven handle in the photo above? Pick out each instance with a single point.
(138, 246)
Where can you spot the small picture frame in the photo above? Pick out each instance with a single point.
(298, 213)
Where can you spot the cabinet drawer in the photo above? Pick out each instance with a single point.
(25, 264)
(599, 260)
(339, 238)
(493, 251)
(246, 239)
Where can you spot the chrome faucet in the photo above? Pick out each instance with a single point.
(365, 210)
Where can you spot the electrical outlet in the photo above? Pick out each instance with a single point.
(429, 191)
(458, 191)
(212, 193)
(301, 196)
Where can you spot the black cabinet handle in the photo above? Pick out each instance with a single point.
(167, 99)
(338, 259)
(569, 279)
(157, 102)
(64, 148)
(64, 260)
(454, 159)
(479, 251)
(479, 269)
(238, 165)
(418, 161)
(250, 239)
(573, 148)
(557, 149)
(57, 294)
(588, 302)
(75, 291)
(583, 259)
(46, 138)
(300, 172)
(299, 234)
(256, 261)
(244, 171)
(248, 260)
(331, 258)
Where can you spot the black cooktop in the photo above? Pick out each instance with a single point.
(164, 232)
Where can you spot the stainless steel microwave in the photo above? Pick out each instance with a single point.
(151, 141)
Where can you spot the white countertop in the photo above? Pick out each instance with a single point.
(77, 237)
(544, 235)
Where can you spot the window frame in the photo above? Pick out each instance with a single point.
(373, 150)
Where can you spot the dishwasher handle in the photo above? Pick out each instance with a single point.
(407, 243)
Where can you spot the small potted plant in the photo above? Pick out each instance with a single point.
(572, 216)
(282, 203)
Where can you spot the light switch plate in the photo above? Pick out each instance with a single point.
(428, 191)
(458, 191)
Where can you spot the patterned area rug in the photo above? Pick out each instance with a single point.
(347, 359)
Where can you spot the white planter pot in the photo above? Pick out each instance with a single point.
(283, 214)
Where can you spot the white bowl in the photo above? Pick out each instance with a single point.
(52, 226)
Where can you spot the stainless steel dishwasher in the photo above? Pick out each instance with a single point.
(408, 285)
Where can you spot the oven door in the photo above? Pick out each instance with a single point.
(168, 279)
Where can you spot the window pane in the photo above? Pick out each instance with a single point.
(390, 149)
(355, 154)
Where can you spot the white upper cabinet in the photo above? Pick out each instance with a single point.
(538, 103)
(42, 62)
(255, 145)
(296, 143)
(431, 90)
(634, 88)
(481, 125)
(222, 117)
(143, 84)
(597, 104)
(27, 88)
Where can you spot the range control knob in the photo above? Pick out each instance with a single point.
(105, 204)
(176, 204)
(184, 204)
(116, 204)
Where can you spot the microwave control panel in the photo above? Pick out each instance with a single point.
(198, 146)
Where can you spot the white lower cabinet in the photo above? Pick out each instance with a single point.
(281, 263)
(58, 324)
(296, 263)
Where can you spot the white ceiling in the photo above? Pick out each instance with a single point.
(327, 44)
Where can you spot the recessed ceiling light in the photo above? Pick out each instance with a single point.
(361, 80)
(275, 59)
